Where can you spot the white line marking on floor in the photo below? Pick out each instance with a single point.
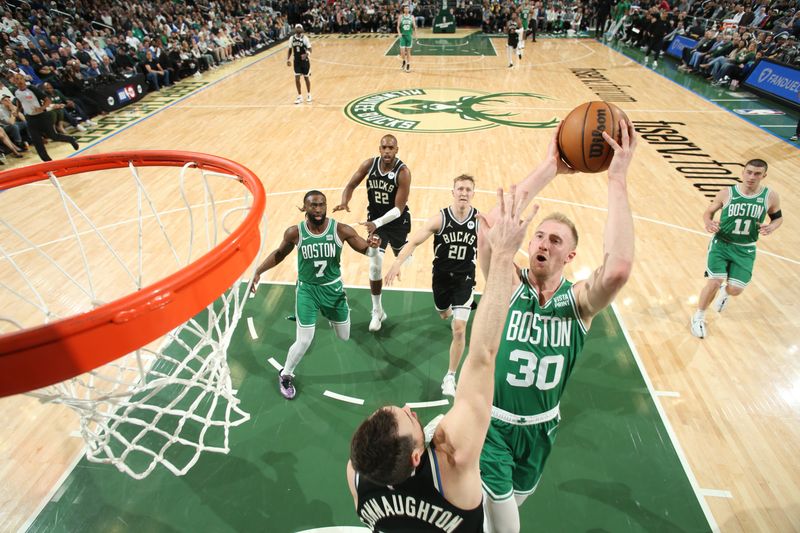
(667, 393)
(422, 405)
(252, 328)
(276, 364)
(714, 493)
(343, 398)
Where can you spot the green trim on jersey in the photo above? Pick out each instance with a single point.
(538, 349)
(319, 256)
(406, 25)
(741, 216)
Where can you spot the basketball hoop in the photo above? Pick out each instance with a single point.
(145, 399)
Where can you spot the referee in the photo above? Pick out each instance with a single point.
(37, 106)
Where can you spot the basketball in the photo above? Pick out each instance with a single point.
(580, 141)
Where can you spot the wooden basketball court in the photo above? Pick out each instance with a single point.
(730, 401)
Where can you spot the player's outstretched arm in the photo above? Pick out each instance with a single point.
(433, 225)
(461, 432)
(600, 288)
(368, 246)
(357, 178)
(711, 225)
(774, 212)
(290, 239)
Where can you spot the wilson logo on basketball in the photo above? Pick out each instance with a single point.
(450, 110)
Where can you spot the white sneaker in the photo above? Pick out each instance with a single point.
(721, 302)
(377, 318)
(89, 123)
(308, 99)
(298, 100)
(80, 127)
(655, 64)
(698, 327)
(449, 385)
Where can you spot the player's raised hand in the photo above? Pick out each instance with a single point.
(623, 153)
(508, 231)
(341, 207)
(254, 283)
(553, 156)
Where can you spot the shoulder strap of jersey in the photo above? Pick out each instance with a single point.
(398, 166)
(335, 227)
(300, 234)
(443, 212)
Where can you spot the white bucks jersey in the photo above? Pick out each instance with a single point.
(455, 245)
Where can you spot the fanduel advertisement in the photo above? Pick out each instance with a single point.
(678, 44)
(776, 80)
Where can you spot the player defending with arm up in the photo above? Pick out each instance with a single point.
(319, 242)
(438, 486)
(546, 325)
(388, 185)
(455, 247)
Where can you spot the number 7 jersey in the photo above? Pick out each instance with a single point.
(538, 349)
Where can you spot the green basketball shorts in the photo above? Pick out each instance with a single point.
(331, 300)
(513, 457)
(730, 261)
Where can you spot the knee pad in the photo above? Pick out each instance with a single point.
(376, 267)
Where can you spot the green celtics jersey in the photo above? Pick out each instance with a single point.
(406, 24)
(538, 349)
(319, 256)
(525, 17)
(741, 216)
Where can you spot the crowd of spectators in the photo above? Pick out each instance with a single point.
(62, 48)
(731, 35)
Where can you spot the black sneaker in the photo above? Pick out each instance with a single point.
(286, 386)
(74, 143)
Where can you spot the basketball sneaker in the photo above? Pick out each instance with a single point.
(286, 386)
(449, 385)
(698, 326)
(308, 98)
(403, 66)
(298, 100)
(793, 138)
(377, 318)
(722, 300)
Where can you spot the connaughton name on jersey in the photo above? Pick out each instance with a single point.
(318, 249)
(546, 331)
(374, 509)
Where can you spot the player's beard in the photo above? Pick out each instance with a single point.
(313, 221)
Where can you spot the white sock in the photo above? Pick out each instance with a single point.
(451, 373)
(376, 302)
(701, 314)
(723, 292)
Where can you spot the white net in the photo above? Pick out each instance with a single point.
(108, 234)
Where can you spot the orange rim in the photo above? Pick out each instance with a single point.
(47, 354)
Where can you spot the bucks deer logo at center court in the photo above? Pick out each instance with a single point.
(450, 110)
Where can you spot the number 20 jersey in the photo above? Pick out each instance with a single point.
(538, 349)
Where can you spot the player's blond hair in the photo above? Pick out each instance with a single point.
(464, 177)
(563, 219)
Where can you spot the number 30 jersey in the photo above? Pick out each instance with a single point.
(538, 349)
(382, 190)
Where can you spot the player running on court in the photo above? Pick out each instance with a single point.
(388, 185)
(406, 28)
(455, 249)
(319, 242)
(732, 250)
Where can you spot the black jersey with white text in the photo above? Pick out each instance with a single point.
(417, 504)
(382, 189)
(455, 245)
(300, 46)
